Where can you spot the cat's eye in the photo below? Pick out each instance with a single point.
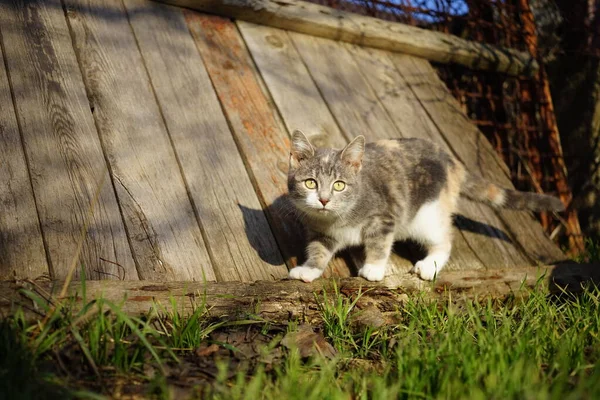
(339, 186)
(310, 183)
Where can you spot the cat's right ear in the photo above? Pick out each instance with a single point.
(301, 149)
(353, 153)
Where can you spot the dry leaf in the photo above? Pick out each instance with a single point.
(207, 351)
(308, 342)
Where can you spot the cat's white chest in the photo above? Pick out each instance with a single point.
(347, 235)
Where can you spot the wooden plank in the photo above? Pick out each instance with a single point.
(295, 97)
(259, 133)
(304, 17)
(295, 94)
(61, 143)
(358, 110)
(164, 232)
(475, 151)
(494, 246)
(22, 252)
(222, 193)
(284, 300)
(299, 101)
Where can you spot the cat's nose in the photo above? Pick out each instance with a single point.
(324, 201)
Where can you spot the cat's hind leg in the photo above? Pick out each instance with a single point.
(432, 227)
(437, 256)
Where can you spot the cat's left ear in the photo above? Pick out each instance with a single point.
(353, 152)
(301, 149)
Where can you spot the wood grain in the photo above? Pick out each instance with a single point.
(317, 20)
(359, 111)
(492, 241)
(22, 253)
(61, 143)
(240, 241)
(164, 232)
(285, 301)
(296, 97)
(259, 133)
(470, 146)
(295, 94)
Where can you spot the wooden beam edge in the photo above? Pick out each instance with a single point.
(286, 299)
(317, 20)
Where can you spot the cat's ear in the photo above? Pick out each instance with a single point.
(353, 152)
(301, 149)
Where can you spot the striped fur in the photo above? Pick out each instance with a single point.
(478, 189)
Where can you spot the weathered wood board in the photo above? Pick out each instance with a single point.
(317, 20)
(22, 253)
(260, 134)
(241, 243)
(293, 91)
(165, 235)
(492, 244)
(65, 157)
(475, 151)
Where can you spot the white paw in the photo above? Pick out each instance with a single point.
(426, 269)
(306, 274)
(372, 272)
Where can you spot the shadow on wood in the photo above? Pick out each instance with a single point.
(283, 213)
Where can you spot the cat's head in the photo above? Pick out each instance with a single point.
(324, 182)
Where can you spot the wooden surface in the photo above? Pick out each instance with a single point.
(61, 143)
(286, 300)
(212, 166)
(259, 132)
(186, 119)
(293, 91)
(164, 233)
(473, 149)
(317, 20)
(21, 247)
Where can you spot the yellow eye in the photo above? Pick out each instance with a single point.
(339, 186)
(310, 183)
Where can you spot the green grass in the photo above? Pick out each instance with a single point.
(539, 347)
(591, 253)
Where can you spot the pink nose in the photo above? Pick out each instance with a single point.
(324, 202)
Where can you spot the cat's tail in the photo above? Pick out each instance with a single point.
(478, 189)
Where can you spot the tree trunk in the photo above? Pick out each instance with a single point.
(575, 82)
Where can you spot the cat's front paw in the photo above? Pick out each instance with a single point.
(306, 274)
(426, 270)
(372, 272)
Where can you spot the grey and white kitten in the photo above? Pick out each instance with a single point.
(381, 192)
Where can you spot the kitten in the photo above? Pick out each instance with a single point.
(378, 193)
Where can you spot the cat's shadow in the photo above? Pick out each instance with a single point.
(288, 233)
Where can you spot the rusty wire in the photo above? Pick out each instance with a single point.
(514, 113)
